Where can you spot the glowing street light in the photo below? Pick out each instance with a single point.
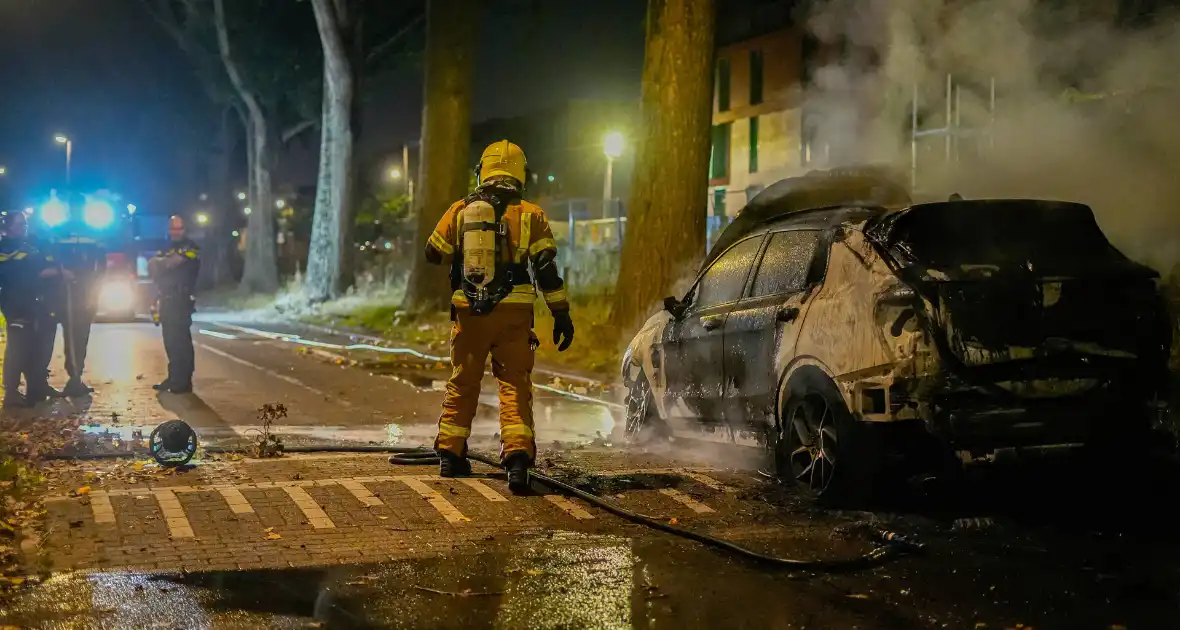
(61, 139)
(3, 170)
(280, 204)
(202, 218)
(612, 147)
(246, 211)
(395, 173)
(131, 208)
(241, 196)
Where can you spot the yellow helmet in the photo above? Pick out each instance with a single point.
(503, 158)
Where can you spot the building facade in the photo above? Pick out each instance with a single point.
(757, 130)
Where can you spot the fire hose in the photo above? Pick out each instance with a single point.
(888, 543)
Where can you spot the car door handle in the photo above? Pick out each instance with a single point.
(787, 314)
(711, 323)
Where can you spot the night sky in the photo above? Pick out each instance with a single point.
(102, 72)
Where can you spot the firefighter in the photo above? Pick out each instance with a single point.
(490, 239)
(174, 271)
(27, 275)
(76, 302)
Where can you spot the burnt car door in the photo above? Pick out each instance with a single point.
(695, 346)
(757, 324)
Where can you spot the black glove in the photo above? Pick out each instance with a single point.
(563, 330)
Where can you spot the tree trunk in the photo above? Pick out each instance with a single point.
(220, 243)
(261, 273)
(665, 236)
(446, 138)
(327, 273)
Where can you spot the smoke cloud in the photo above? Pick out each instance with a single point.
(1047, 137)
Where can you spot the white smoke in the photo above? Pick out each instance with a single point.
(1119, 154)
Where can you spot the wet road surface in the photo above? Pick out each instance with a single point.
(349, 541)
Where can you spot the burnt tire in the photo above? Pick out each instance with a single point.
(641, 421)
(818, 445)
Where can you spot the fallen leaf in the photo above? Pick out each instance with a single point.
(673, 521)
(857, 596)
(273, 536)
(138, 466)
(82, 491)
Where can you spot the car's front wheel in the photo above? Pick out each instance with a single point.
(642, 423)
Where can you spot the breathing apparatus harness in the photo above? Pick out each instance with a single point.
(484, 270)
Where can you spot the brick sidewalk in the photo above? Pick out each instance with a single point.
(317, 510)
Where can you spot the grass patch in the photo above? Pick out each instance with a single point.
(598, 346)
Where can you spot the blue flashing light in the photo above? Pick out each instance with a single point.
(98, 214)
(54, 213)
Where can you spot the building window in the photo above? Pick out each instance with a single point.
(718, 202)
(723, 84)
(719, 158)
(754, 144)
(756, 77)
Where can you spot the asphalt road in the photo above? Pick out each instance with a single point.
(349, 541)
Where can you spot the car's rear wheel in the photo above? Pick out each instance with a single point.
(642, 423)
(818, 445)
(810, 440)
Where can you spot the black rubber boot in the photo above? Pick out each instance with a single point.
(77, 389)
(451, 465)
(163, 386)
(15, 400)
(517, 465)
(38, 395)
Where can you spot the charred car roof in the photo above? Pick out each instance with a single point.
(850, 194)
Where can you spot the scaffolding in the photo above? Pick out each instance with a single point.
(953, 130)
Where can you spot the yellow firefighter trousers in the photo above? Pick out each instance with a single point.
(506, 333)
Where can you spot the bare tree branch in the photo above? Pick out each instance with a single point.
(292, 132)
(380, 49)
(231, 68)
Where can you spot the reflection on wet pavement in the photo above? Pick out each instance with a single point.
(567, 580)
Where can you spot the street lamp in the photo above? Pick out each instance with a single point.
(246, 211)
(395, 173)
(241, 196)
(612, 148)
(3, 171)
(202, 218)
(60, 139)
(280, 204)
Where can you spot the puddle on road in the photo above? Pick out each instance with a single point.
(564, 580)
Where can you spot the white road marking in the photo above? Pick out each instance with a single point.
(708, 481)
(569, 507)
(484, 490)
(178, 525)
(362, 493)
(269, 372)
(100, 503)
(693, 504)
(316, 516)
(236, 500)
(214, 333)
(444, 507)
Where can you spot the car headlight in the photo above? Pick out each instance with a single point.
(116, 295)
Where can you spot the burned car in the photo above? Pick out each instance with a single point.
(849, 330)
